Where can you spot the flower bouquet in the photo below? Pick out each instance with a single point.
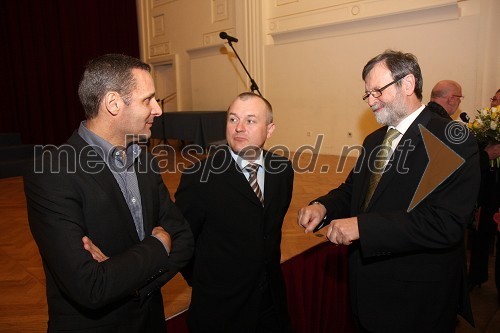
(486, 128)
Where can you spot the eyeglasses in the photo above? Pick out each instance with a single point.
(376, 93)
(459, 96)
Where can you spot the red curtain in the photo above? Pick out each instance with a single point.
(45, 47)
(316, 282)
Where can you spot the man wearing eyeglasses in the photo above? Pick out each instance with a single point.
(406, 264)
(446, 97)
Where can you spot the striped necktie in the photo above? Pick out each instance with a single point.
(252, 169)
(379, 164)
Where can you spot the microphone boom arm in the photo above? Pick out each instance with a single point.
(253, 85)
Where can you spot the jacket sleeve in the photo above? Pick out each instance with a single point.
(188, 201)
(182, 249)
(56, 217)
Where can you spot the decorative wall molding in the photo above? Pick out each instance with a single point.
(284, 2)
(359, 16)
(207, 51)
(220, 10)
(158, 28)
(157, 3)
(159, 49)
(157, 41)
(213, 38)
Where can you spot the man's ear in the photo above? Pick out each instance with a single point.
(449, 100)
(270, 129)
(112, 102)
(409, 84)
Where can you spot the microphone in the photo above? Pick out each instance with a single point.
(465, 117)
(224, 35)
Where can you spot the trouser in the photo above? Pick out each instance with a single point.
(481, 241)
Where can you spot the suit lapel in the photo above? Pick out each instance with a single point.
(94, 167)
(371, 148)
(270, 181)
(414, 137)
(146, 194)
(233, 175)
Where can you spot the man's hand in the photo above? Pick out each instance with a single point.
(164, 237)
(94, 250)
(98, 256)
(310, 216)
(343, 231)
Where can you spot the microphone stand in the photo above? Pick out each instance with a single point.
(253, 85)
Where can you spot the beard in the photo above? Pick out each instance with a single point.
(392, 113)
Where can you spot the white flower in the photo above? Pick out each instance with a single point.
(484, 112)
(493, 125)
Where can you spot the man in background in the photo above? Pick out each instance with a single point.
(482, 237)
(407, 265)
(446, 97)
(103, 192)
(235, 202)
(495, 100)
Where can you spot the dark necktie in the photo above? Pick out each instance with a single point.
(380, 163)
(252, 169)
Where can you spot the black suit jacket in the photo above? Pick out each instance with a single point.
(237, 253)
(71, 193)
(407, 272)
(438, 109)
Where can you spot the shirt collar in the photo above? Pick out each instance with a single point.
(242, 163)
(106, 150)
(406, 123)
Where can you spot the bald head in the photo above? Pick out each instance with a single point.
(448, 94)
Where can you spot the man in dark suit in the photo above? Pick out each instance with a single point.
(406, 266)
(482, 236)
(236, 218)
(446, 97)
(103, 190)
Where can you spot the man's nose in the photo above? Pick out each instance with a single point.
(240, 127)
(157, 111)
